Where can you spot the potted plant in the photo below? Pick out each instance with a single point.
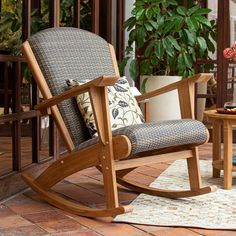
(166, 38)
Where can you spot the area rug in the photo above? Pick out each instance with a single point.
(210, 211)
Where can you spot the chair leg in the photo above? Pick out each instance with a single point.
(109, 179)
(110, 187)
(194, 171)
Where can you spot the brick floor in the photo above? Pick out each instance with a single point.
(26, 214)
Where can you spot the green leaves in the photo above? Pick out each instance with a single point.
(159, 49)
(139, 14)
(191, 37)
(202, 45)
(130, 23)
(133, 69)
(169, 26)
(168, 37)
(203, 20)
(182, 11)
(192, 23)
(5, 25)
(201, 11)
(149, 49)
(140, 36)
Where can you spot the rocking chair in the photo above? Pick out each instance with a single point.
(59, 54)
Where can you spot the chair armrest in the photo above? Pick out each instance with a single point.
(186, 91)
(198, 78)
(98, 82)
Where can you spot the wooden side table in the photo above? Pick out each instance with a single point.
(226, 121)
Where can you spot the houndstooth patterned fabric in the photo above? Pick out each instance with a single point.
(163, 134)
(71, 53)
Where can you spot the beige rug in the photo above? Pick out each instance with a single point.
(211, 211)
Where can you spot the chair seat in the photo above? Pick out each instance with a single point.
(153, 136)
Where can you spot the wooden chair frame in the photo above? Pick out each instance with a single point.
(110, 154)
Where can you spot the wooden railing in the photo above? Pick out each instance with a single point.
(12, 121)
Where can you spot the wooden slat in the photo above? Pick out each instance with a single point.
(6, 96)
(95, 16)
(77, 13)
(18, 116)
(54, 13)
(216, 146)
(99, 82)
(26, 19)
(149, 160)
(223, 35)
(194, 171)
(228, 133)
(198, 78)
(36, 126)
(11, 58)
(32, 62)
(186, 99)
(120, 29)
(54, 139)
(16, 137)
(114, 61)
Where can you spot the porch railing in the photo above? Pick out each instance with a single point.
(16, 123)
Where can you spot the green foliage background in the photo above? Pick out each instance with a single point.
(11, 21)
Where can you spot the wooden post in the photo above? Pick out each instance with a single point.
(54, 13)
(120, 30)
(95, 16)
(77, 13)
(16, 125)
(35, 126)
(26, 21)
(105, 19)
(223, 36)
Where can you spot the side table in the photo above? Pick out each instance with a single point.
(218, 121)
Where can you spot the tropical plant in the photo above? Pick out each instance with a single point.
(166, 38)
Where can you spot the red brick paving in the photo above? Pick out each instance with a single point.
(26, 214)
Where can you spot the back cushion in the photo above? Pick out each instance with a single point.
(71, 54)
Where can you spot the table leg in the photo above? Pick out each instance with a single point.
(227, 154)
(216, 146)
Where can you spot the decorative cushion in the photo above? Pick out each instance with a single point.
(124, 109)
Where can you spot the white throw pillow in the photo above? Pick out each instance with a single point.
(124, 109)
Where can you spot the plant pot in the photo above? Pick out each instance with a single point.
(165, 106)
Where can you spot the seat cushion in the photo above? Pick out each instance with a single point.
(163, 134)
(124, 109)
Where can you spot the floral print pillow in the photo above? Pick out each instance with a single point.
(124, 109)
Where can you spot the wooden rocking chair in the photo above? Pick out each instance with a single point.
(58, 54)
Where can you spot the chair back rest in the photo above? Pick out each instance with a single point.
(70, 53)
